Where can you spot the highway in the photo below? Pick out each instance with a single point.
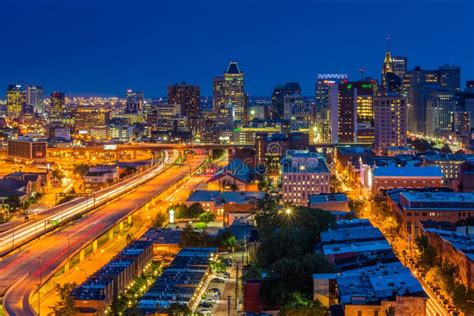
(22, 271)
(24, 232)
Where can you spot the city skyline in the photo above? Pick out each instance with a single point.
(136, 53)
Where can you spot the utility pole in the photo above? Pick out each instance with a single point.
(236, 284)
(39, 286)
(229, 298)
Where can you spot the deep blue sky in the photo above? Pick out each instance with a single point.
(105, 46)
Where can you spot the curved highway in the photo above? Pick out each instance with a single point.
(20, 273)
(22, 233)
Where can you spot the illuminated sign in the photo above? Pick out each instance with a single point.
(82, 131)
(367, 85)
(332, 76)
(110, 147)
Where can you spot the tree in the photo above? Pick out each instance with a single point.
(207, 217)
(58, 174)
(422, 145)
(300, 306)
(81, 170)
(160, 220)
(427, 258)
(445, 149)
(177, 309)
(191, 238)
(192, 211)
(65, 305)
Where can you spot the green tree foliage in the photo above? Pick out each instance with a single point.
(422, 145)
(286, 252)
(427, 258)
(81, 169)
(207, 217)
(192, 211)
(177, 309)
(301, 306)
(160, 220)
(65, 305)
(445, 149)
(191, 238)
(58, 174)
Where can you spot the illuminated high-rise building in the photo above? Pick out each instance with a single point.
(390, 119)
(449, 77)
(15, 100)
(387, 68)
(34, 98)
(57, 104)
(323, 85)
(134, 102)
(218, 94)
(278, 98)
(399, 65)
(355, 116)
(187, 96)
(440, 105)
(234, 91)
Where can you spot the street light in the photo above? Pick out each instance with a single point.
(39, 285)
(288, 211)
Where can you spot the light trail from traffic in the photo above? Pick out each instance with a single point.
(17, 236)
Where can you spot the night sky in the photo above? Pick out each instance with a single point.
(102, 47)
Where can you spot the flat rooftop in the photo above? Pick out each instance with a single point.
(327, 198)
(409, 172)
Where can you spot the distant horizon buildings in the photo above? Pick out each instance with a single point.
(134, 102)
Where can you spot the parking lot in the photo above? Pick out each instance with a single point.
(215, 299)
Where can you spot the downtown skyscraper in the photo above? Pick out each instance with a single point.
(234, 92)
(15, 100)
(187, 96)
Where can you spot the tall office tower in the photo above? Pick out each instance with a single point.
(15, 100)
(391, 81)
(449, 77)
(461, 122)
(390, 116)
(355, 112)
(234, 91)
(439, 108)
(278, 98)
(188, 97)
(299, 112)
(57, 104)
(387, 68)
(219, 103)
(134, 102)
(324, 83)
(422, 83)
(400, 65)
(34, 98)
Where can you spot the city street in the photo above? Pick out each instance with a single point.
(21, 272)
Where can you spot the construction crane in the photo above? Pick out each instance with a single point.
(362, 72)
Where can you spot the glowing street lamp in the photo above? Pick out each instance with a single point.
(288, 211)
(171, 216)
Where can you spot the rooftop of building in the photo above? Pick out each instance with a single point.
(409, 172)
(461, 242)
(328, 198)
(351, 234)
(374, 283)
(355, 150)
(434, 197)
(310, 165)
(238, 197)
(356, 246)
(162, 236)
(237, 168)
